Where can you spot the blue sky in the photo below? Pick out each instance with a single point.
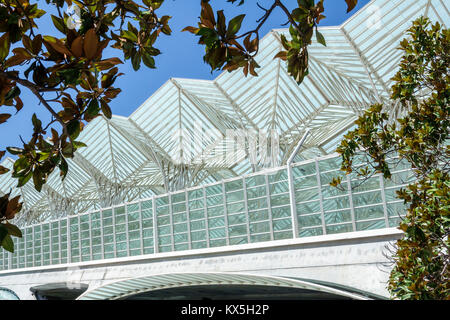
(181, 57)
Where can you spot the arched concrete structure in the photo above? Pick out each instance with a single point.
(356, 260)
(134, 286)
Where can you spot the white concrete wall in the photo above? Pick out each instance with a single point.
(352, 259)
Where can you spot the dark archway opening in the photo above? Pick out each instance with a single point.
(234, 292)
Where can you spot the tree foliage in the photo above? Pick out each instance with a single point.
(68, 73)
(421, 138)
(72, 79)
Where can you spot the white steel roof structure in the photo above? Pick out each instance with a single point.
(133, 157)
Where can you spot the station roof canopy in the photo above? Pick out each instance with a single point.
(133, 157)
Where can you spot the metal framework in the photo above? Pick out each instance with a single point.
(244, 210)
(131, 158)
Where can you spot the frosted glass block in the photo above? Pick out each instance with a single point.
(310, 232)
(336, 203)
(217, 211)
(196, 204)
(121, 254)
(120, 228)
(147, 233)
(178, 228)
(73, 237)
(199, 245)
(304, 170)
(309, 221)
(165, 248)
(370, 225)
(181, 247)
(307, 195)
(108, 239)
(255, 181)
(198, 235)
(162, 210)
(195, 194)
(148, 243)
(182, 237)
(135, 252)
(133, 226)
(95, 224)
(367, 185)
(282, 224)
(213, 190)
(305, 182)
(85, 234)
(147, 214)
(95, 215)
(259, 227)
(162, 201)
(259, 238)
(369, 213)
(278, 176)
(235, 196)
(133, 216)
(233, 185)
(96, 241)
(146, 204)
(339, 228)
(133, 207)
(165, 220)
(397, 209)
(119, 210)
(400, 178)
(179, 207)
(217, 233)
(218, 243)
(134, 235)
(147, 224)
(236, 219)
(237, 230)
(256, 192)
(216, 222)
(279, 200)
(258, 215)
(279, 187)
(179, 217)
(121, 246)
(330, 164)
(108, 230)
(394, 222)
(164, 240)
(164, 230)
(238, 240)
(120, 219)
(107, 222)
(198, 225)
(281, 212)
(338, 217)
(327, 178)
(179, 197)
(367, 198)
(391, 194)
(329, 191)
(235, 207)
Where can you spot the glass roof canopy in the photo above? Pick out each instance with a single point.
(132, 157)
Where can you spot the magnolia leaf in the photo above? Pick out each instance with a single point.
(351, 4)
